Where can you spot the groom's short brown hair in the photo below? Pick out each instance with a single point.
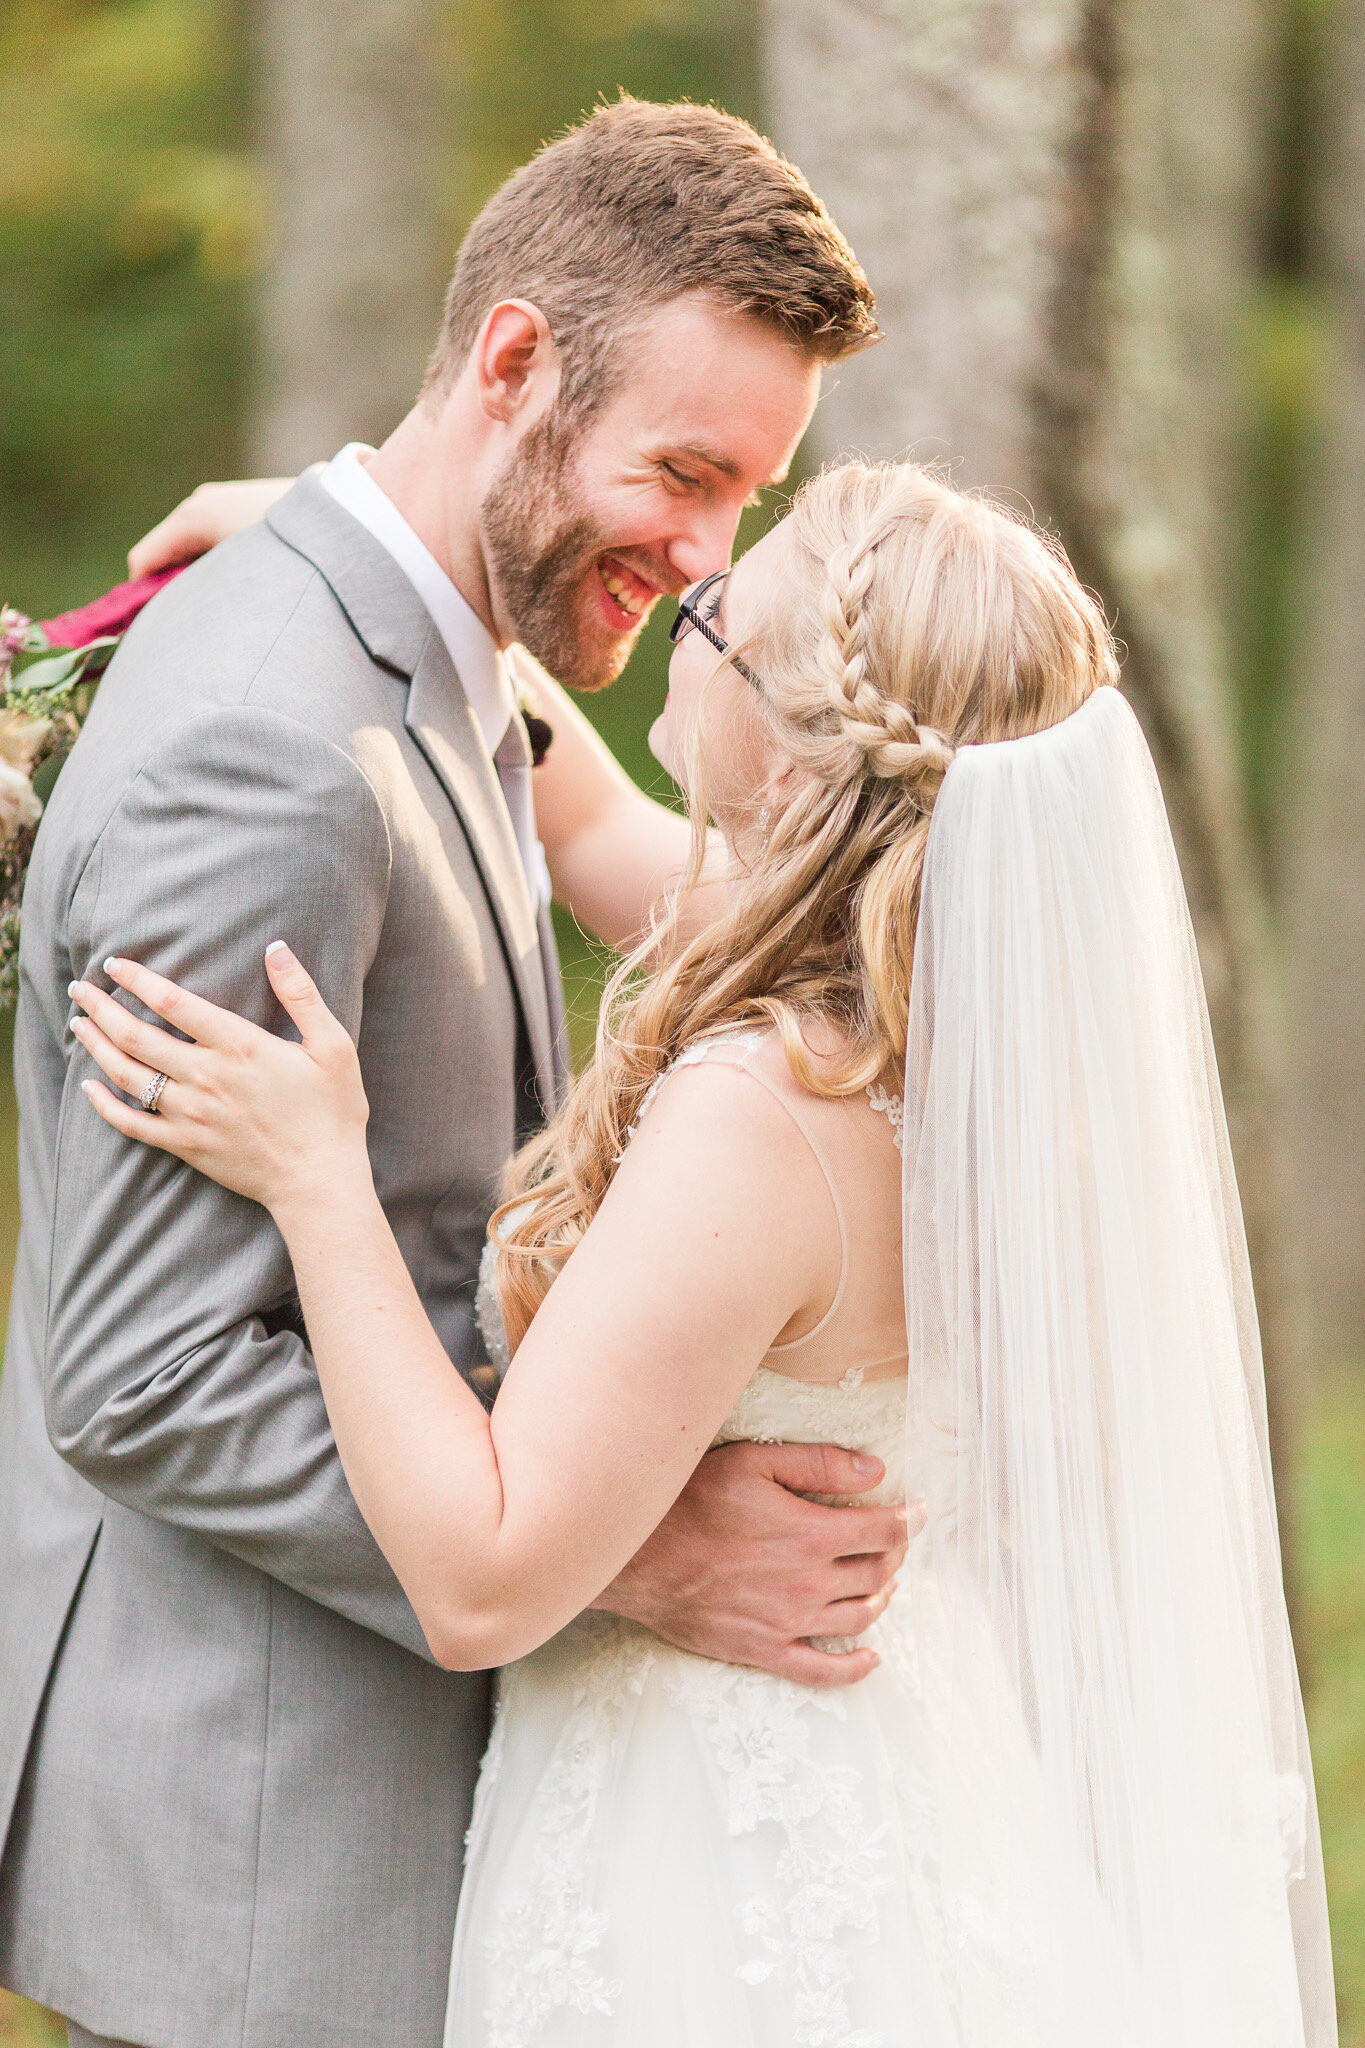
(638, 205)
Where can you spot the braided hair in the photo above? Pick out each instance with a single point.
(889, 739)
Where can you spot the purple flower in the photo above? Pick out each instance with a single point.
(14, 632)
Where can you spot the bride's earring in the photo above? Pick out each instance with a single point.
(764, 819)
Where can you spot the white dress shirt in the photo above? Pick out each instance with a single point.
(473, 650)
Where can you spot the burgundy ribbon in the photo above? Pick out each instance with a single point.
(113, 613)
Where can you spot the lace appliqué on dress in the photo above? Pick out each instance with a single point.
(892, 1107)
(543, 1948)
(860, 1414)
(488, 1315)
(692, 1055)
(758, 1730)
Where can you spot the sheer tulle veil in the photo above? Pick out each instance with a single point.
(1121, 1807)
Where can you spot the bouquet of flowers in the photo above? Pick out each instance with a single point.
(48, 676)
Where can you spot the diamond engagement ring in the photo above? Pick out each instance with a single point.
(151, 1094)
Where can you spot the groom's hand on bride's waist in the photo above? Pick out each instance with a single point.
(744, 1570)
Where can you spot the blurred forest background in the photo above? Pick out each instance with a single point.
(1119, 247)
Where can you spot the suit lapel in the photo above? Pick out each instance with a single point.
(440, 719)
(397, 630)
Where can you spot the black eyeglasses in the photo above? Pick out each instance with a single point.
(689, 616)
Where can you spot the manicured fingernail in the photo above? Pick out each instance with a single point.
(111, 963)
(862, 1464)
(276, 946)
(78, 1025)
(87, 1087)
(73, 988)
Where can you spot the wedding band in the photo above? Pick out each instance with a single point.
(151, 1094)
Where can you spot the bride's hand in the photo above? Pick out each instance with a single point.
(199, 522)
(263, 1116)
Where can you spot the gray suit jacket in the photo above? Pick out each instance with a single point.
(234, 1784)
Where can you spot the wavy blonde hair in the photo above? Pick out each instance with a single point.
(903, 619)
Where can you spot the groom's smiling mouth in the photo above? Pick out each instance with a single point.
(626, 597)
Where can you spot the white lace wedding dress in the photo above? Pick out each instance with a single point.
(1072, 1807)
(668, 1852)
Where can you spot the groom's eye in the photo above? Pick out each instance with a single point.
(679, 477)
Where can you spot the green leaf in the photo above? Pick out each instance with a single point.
(35, 673)
(98, 656)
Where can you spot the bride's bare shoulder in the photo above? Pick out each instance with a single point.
(747, 1081)
(726, 1096)
(809, 1069)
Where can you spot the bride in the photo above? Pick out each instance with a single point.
(917, 1148)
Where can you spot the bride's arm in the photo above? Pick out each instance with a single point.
(716, 1232)
(612, 851)
(212, 512)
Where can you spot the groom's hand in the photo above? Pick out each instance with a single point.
(743, 1570)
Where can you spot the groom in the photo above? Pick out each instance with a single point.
(233, 1780)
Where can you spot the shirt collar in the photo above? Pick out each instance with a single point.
(473, 650)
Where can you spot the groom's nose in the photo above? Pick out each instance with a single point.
(705, 542)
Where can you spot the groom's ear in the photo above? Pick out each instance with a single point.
(515, 360)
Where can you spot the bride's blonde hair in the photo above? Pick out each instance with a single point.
(903, 619)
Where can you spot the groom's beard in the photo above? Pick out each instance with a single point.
(542, 550)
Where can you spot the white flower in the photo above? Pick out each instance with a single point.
(19, 806)
(14, 629)
(21, 739)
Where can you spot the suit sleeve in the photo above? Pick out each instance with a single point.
(173, 1382)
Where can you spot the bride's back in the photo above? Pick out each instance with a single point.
(858, 1332)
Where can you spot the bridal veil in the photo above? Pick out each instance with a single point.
(1124, 1814)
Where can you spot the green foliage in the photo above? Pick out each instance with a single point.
(133, 218)
(1286, 373)
(1287, 376)
(1332, 1560)
(522, 70)
(127, 221)
(27, 2026)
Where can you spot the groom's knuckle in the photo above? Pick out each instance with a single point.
(826, 1466)
(814, 1540)
(873, 1532)
(811, 1668)
(797, 1611)
(793, 1611)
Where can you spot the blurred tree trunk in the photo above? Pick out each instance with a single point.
(1325, 771)
(1054, 200)
(351, 298)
